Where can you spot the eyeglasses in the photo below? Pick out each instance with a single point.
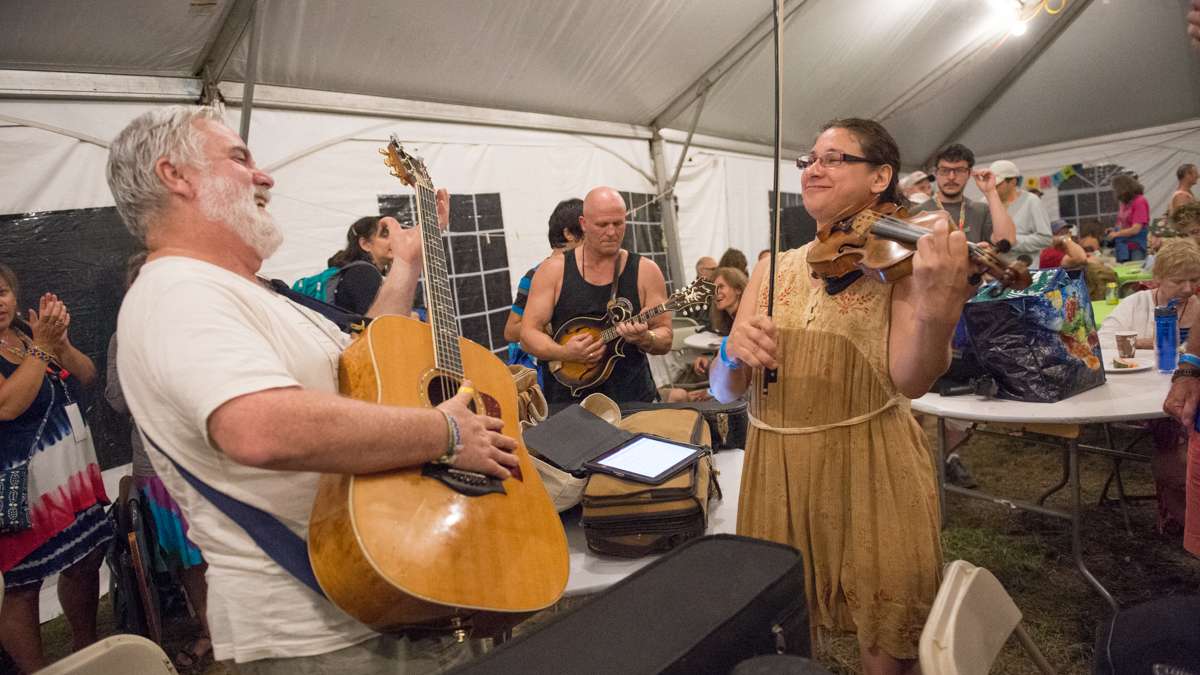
(830, 160)
(945, 172)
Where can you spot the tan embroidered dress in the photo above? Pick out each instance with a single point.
(837, 467)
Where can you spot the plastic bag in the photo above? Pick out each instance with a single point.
(1040, 344)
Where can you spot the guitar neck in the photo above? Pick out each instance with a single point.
(609, 334)
(439, 296)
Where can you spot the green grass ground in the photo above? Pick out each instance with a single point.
(1029, 553)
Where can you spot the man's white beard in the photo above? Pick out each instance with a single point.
(223, 201)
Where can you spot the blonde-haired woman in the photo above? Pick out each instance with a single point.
(1176, 276)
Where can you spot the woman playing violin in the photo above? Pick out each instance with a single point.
(835, 463)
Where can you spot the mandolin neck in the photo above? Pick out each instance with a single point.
(609, 334)
(439, 296)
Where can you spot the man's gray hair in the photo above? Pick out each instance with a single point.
(163, 132)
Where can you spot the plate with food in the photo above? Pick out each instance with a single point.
(1120, 365)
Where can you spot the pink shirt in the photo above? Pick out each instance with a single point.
(1136, 211)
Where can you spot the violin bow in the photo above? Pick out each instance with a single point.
(770, 376)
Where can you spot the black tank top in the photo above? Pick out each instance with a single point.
(630, 379)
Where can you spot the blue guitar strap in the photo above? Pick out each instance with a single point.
(282, 545)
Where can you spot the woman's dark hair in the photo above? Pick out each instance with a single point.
(735, 259)
(878, 146)
(565, 218)
(719, 319)
(10, 277)
(1126, 187)
(367, 226)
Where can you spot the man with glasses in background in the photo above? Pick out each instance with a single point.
(983, 222)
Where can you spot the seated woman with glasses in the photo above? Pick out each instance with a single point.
(835, 464)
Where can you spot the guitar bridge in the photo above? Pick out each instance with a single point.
(467, 483)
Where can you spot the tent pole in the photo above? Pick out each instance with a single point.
(687, 144)
(669, 219)
(251, 74)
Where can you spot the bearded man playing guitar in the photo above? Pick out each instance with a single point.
(235, 387)
(581, 283)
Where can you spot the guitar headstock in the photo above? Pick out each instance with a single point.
(696, 293)
(410, 169)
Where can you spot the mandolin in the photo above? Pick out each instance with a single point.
(433, 546)
(578, 376)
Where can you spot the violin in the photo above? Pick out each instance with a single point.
(881, 242)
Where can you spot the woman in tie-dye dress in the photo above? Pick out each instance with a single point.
(51, 495)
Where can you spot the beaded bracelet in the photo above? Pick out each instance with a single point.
(729, 363)
(1190, 359)
(39, 353)
(453, 440)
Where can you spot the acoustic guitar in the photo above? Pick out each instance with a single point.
(433, 546)
(578, 376)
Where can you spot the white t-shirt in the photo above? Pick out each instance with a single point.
(1135, 312)
(1032, 223)
(193, 336)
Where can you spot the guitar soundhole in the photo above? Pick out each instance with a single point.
(443, 388)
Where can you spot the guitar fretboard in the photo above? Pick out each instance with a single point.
(439, 296)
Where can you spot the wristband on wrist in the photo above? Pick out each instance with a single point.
(1181, 373)
(1190, 359)
(729, 362)
(453, 440)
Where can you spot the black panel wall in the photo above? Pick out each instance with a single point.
(80, 255)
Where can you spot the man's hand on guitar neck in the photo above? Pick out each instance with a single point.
(484, 449)
(582, 348)
(396, 293)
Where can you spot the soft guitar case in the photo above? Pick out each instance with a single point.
(727, 422)
(705, 607)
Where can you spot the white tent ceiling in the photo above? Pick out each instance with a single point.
(920, 66)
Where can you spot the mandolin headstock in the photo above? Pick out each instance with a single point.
(696, 293)
(410, 169)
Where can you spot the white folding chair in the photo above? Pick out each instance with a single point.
(971, 619)
(116, 655)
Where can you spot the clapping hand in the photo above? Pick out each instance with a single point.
(49, 323)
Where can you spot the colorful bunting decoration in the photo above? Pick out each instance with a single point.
(1052, 180)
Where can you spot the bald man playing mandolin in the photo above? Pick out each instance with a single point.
(580, 283)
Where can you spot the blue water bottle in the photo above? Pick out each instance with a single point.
(1166, 338)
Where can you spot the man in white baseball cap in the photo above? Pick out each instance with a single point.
(1031, 220)
(917, 187)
